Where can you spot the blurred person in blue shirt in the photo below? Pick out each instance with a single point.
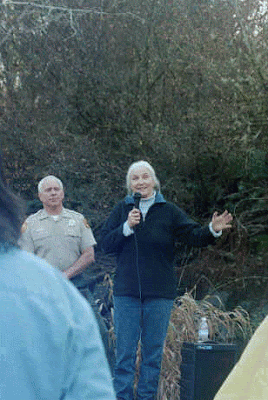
(50, 346)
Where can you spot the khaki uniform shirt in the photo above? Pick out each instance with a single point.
(59, 241)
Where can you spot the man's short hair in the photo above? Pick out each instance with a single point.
(48, 178)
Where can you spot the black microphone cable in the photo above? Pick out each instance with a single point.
(137, 198)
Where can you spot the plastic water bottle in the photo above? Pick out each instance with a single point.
(203, 331)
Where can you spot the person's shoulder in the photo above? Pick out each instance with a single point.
(24, 264)
(26, 273)
(36, 216)
(124, 202)
(72, 214)
(174, 208)
(170, 205)
(33, 273)
(173, 205)
(122, 205)
(31, 220)
(75, 217)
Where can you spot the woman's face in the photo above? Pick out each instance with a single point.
(141, 181)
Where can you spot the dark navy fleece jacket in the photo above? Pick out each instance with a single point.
(145, 259)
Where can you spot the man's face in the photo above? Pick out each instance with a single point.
(52, 195)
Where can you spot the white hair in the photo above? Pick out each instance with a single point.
(141, 164)
(48, 178)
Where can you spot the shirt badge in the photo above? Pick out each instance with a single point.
(71, 222)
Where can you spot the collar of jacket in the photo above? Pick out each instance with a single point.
(43, 214)
(159, 198)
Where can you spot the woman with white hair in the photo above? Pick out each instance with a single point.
(142, 234)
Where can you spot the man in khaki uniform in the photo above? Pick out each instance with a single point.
(60, 236)
(64, 239)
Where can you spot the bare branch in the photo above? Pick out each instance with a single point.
(72, 10)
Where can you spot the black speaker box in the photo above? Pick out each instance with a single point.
(204, 367)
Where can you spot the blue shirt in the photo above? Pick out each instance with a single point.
(50, 347)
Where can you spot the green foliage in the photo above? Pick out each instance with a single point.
(260, 243)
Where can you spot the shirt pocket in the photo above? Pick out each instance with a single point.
(40, 235)
(73, 232)
(42, 240)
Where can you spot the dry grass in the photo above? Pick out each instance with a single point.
(224, 327)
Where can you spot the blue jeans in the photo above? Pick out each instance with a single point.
(136, 319)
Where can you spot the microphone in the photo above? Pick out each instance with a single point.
(137, 198)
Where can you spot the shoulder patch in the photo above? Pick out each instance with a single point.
(86, 223)
(24, 227)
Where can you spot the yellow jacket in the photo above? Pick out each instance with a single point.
(249, 378)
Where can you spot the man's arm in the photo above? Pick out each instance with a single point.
(25, 241)
(86, 258)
